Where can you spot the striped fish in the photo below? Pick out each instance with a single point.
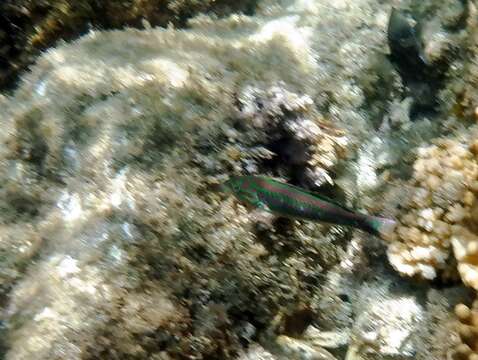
(294, 202)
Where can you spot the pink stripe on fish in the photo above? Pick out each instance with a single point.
(305, 198)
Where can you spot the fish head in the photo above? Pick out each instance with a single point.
(234, 184)
(241, 187)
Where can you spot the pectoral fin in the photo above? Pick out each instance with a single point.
(252, 200)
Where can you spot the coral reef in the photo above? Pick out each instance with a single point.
(364, 311)
(111, 151)
(439, 215)
(283, 132)
(439, 192)
(437, 232)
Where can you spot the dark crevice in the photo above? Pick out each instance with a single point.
(296, 323)
(422, 79)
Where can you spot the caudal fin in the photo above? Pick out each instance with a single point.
(383, 227)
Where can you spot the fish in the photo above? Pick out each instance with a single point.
(294, 202)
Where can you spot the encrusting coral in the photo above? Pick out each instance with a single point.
(439, 214)
(468, 331)
(283, 132)
(422, 240)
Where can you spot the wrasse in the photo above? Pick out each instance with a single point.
(294, 202)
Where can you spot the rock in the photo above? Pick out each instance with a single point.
(301, 350)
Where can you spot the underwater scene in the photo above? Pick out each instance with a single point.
(248, 179)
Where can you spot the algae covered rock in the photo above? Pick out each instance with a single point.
(110, 152)
(119, 245)
(28, 27)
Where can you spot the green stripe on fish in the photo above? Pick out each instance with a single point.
(292, 201)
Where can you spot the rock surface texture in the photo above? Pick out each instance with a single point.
(116, 244)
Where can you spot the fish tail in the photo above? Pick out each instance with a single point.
(380, 226)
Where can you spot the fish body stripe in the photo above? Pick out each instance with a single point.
(296, 196)
(291, 201)
(291, 193)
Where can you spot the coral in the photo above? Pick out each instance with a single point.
(440, 214)
(468, 322)
(422, 240)
(281, 131)
(427, 41)
(111, 150)
(366, 311)
(442, 25)
(433, 219)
